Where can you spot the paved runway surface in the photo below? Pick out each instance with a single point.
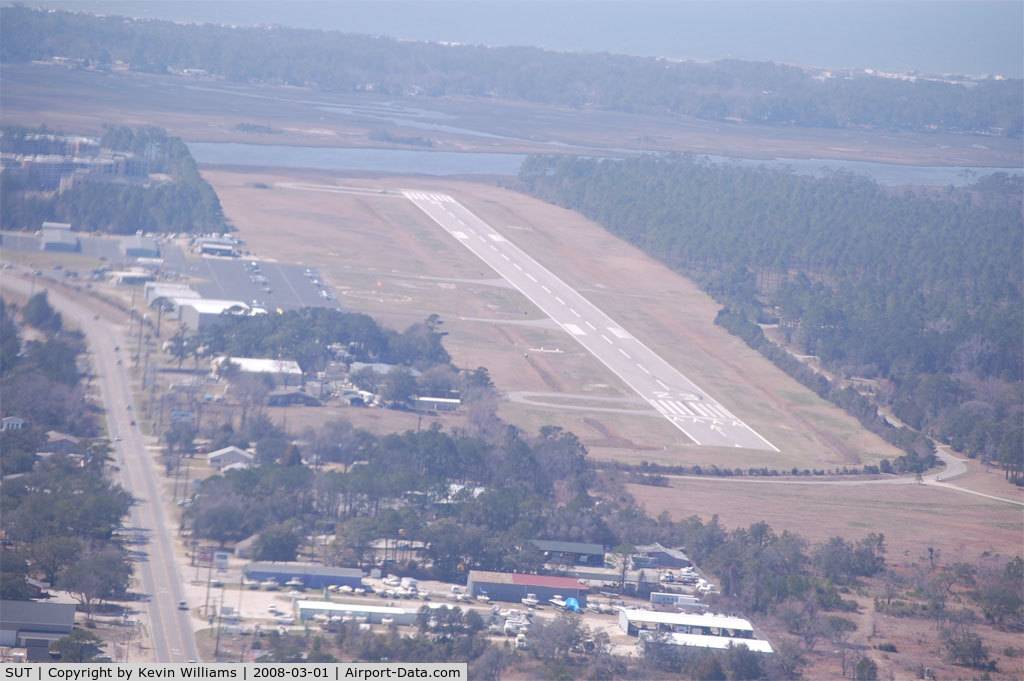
(678, 399)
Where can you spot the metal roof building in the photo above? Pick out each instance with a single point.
(699, 641)
(58, 237)
(159, 289)
(661, 556)
(513, 587)
(284, 372)
(198, 313)
(374, 613)
(138, 246)
(634, 621)
(35, 625)
(313, 576)
(571, 552)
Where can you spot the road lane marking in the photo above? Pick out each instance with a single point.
(506, 257)
(643, 368)
(560, 300)
(531, 277)
(518, 266)
(663, 386)
(624, 354)
(574, 312)
(493, 248)
(606, 338)
(546, 289)
(592, 327)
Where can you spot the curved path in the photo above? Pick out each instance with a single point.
(171, 628)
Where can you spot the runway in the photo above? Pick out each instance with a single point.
(678, 399)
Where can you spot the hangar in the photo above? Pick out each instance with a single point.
(57, 236)
(513, 587)
(138, 246)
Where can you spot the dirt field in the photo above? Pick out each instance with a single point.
(386, 259)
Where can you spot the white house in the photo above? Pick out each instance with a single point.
(227, 456)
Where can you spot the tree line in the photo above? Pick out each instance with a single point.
(920, 293)
(60, 515)
(187, 203)
(340, 62)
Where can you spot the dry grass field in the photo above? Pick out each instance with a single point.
(385, 258)
(912, 517)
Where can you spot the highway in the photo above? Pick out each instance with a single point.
(173, 638)
(693, 411)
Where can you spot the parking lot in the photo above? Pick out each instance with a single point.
(267, 284)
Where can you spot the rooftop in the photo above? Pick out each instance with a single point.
(699, 641)
(255, 365)
(688, 619)
(300, 569)
(527, 580)
(27, 614)
(349, 607)
(210, 305)
(568, 547)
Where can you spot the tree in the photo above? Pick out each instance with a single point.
(555, 639)
(277, 543)
(866, 669)
(398, 386)
(78, 646)
(622, 553)
(38, 313)
(52, 555)
(97, 576)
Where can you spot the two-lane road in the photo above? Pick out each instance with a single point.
(159, 579)
(689, 408)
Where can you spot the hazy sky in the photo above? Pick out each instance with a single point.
(973, 37)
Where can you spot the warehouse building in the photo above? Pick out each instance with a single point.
(35, 625)
(374, 614)
(155, 290)
(57, 236)
(313, 576)
(633, 622)
(215, 246)
(283, 372)
(681, 601)
(512, 587)
(712, 642)
(199, 313)
(138, 246)
(570, 553)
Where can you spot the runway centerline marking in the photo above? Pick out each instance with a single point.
(652, 364)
